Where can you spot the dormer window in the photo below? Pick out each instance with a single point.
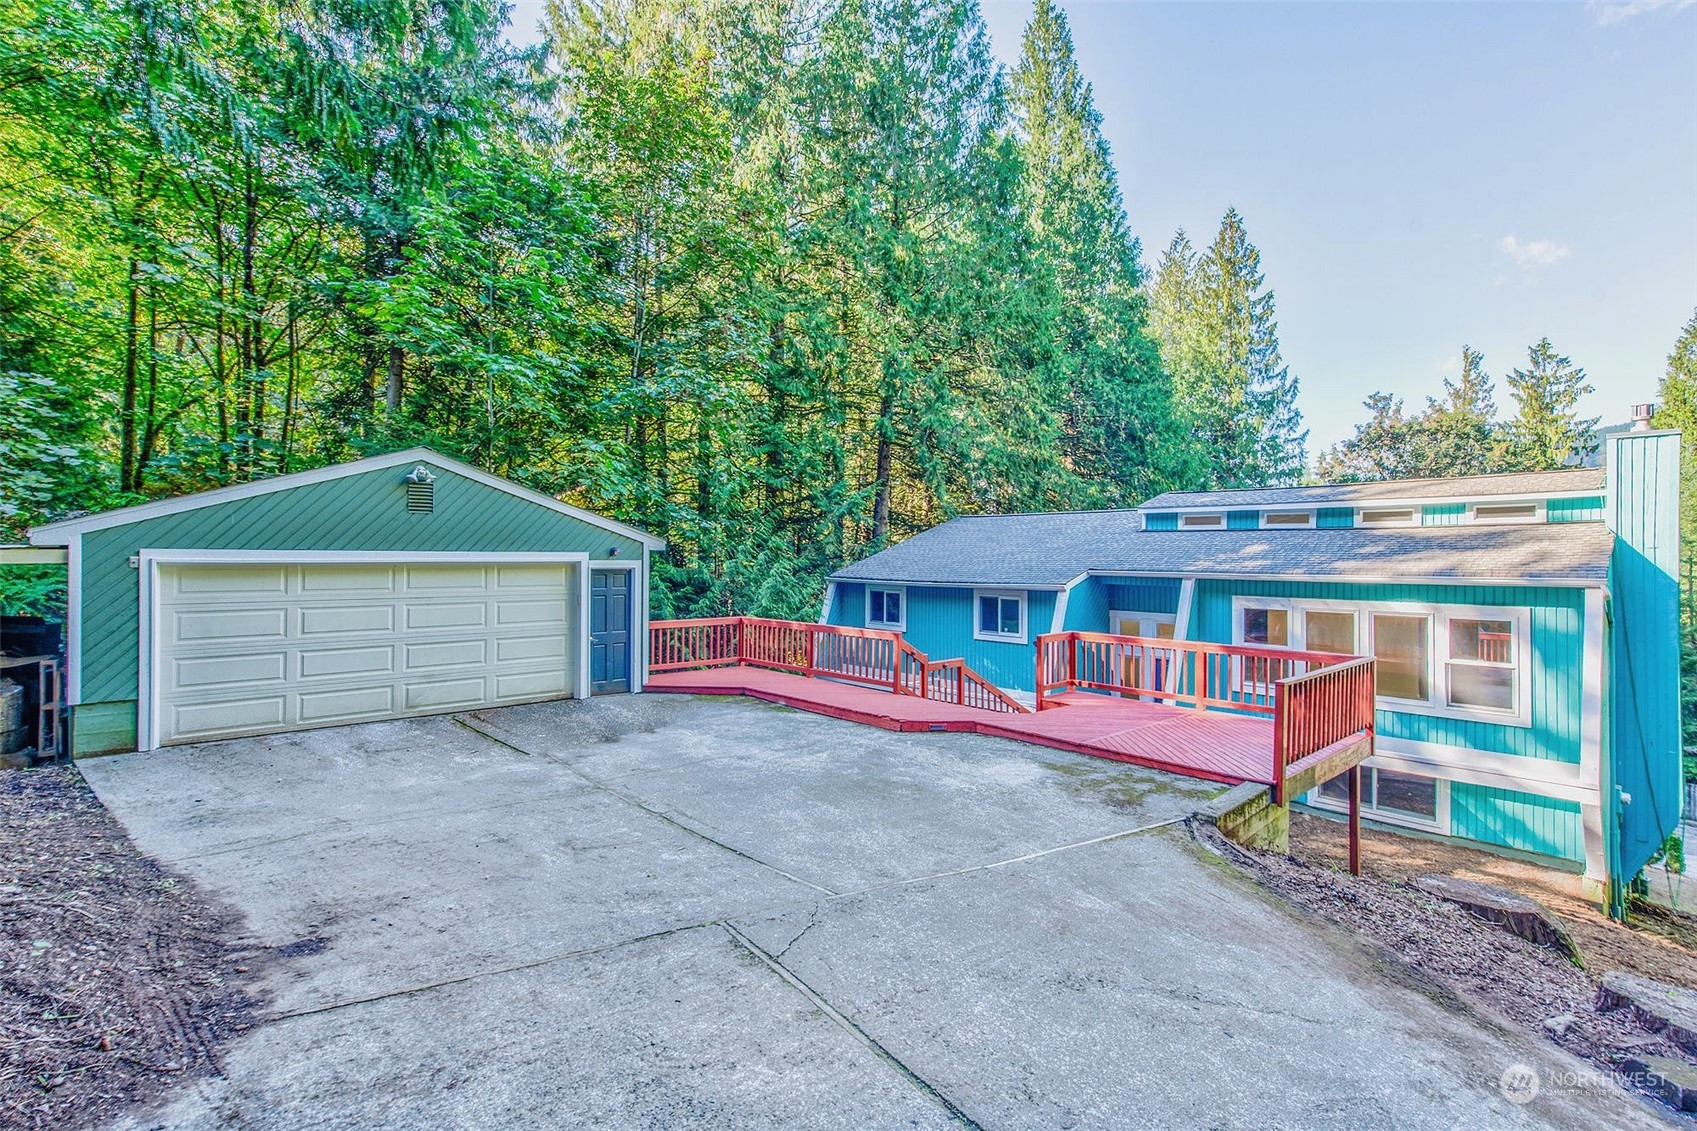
(1506, 512)
(1386, 516)
(1280, 519)
(1202, 521)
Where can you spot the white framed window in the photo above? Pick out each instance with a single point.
(1150, 626)
(1387, 516)
(1390, 796)
(1453, 661)
(886, 607)
(1284, 520)
(998, 614)
(1505, 513)
(1201, 521)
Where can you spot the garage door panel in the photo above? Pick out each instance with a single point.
(449, 693)
(228, 624)
(248, 649)
(550, 577)
(213, 671)
(317, 662)
(445, 577)
(347, 579)
(448, 654)
(530, 685)
(517, 649)
(244, 579)
(231, 716)
(530, 612)
(339, 621)
(347, 705)
(424, 615)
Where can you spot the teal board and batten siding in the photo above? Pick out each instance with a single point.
(1334, 518)
(1448, 514)
(1587, 509)
(1556, 668)
(939, 623)
(1160, 522)
(363, 511)
(1243, 520)
(1091, 600)
(1524, 821)
(1644, 738)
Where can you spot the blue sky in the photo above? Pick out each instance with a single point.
(1416, 176)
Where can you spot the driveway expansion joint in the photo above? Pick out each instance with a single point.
(854, 1030)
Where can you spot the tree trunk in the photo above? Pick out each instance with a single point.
(127, 408)
(881, 475)
(397, 375)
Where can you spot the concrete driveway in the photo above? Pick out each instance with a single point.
(653, 911)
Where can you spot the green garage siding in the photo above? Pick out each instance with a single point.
(1556, 667)
(1524, 821)
(362, 511)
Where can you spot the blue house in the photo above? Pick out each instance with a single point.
(1524, 627)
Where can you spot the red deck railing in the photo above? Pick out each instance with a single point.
(1318, 701)
(868, 656)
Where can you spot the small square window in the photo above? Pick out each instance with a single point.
(1001, 616)
(884, 608)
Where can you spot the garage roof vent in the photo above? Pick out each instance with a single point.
(421, 490)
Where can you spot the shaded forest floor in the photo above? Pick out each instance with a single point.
(1450, 953)
(117, 978)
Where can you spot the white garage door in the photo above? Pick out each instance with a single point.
(246, 649)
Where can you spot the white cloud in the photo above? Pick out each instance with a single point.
(1609, 12)
(1533, 253)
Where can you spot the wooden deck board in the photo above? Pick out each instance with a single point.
(1212, 745)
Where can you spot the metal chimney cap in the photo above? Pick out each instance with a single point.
(1641, 414)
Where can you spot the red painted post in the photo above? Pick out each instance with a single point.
(1278, 747)
(1355, 820)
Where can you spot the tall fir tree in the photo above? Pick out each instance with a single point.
(1220, 343)
(1459, 432)
(1116, 400)
(1547, 432)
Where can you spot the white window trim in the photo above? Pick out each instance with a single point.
(996, 637)
(1437, 617)
(1306, 513)
(1314, 799)
(1540, 512)
(892, 625)
(1414, 519)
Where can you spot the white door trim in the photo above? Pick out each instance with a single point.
(147, 653)
(638, 622)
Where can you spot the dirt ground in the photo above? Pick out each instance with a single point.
(1450, 952)
(117, 978)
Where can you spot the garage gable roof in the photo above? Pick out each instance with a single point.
(60, 533)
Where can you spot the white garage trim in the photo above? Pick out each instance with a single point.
(148, 657)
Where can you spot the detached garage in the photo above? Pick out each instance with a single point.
(405, 584)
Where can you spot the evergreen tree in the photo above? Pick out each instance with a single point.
(1240, 395)
(1546, 432)
(1459, 432)
(1116, 401)
(1677, 408)
(1387, 446)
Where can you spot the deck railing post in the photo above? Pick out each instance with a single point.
(1355, 820)
(1278, 746)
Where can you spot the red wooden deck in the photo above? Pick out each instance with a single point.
(1212, 745)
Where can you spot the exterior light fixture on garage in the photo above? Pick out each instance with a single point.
(421, 490)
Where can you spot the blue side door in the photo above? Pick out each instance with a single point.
(609, 630)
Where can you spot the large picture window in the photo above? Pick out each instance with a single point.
(1451, 660)
(999, 616)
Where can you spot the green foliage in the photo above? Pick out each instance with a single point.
(1677, 408)
(1220, 343)
(780, 281)
(1546, 431)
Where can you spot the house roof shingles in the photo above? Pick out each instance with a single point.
(1038, 551)
(1526, 484)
